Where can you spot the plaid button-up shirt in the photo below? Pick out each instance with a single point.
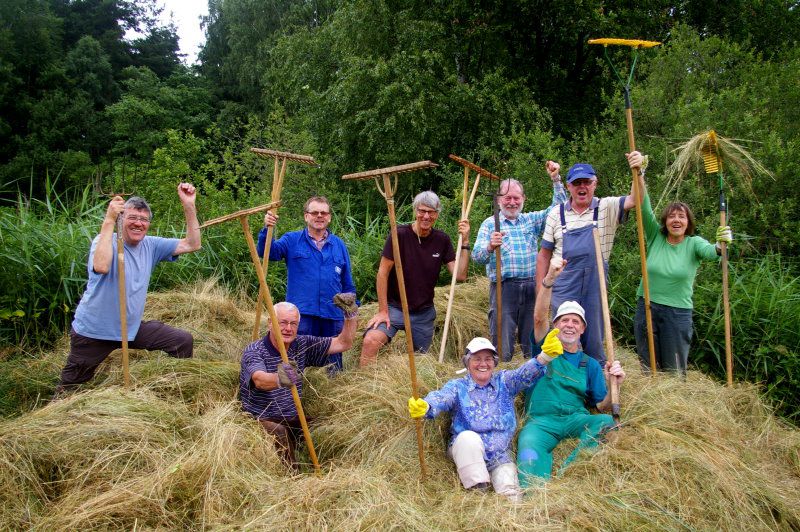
(520, 243)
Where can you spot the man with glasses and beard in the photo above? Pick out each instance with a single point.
(518, 240)
(317, 266)
(423, 251)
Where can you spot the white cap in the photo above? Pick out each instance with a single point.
(479, 344)
(570, 307)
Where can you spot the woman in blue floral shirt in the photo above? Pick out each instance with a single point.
(484, 420)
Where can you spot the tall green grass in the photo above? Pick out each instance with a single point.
(765, 326)
(44, 246)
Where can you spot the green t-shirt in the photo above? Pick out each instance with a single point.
(671, 268)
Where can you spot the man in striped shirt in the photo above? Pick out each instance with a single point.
(568, 235)
(518, 240)
(265, 381)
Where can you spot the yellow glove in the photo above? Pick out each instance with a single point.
(417, 407)
(724, 234)
(551, 347)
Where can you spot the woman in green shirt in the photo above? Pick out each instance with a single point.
(673, 254)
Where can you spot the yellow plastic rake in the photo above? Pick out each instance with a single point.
(713, 165)
(635, 45)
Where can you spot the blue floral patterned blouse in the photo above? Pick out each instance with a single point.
(487, 410)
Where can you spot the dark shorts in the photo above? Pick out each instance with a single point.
(422, 323)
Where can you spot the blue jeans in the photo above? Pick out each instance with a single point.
(672, 336)
(519, 297)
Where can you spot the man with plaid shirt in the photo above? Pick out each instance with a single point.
(518, 240)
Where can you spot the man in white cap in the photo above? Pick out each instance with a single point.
(483, 416)
(556, 406)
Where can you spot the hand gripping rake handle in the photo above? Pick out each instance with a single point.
(387, 191)
(466, 207)
(276, 333)
(713, 165)
(277, 185)
(635, 45)
(609, 340)
(123, 302)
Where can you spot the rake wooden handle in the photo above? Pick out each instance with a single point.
(239, 214)
(276, 334)
(305, 159)
(391, 170)
(609, 340)
(123, 303)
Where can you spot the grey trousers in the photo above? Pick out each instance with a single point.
(85, 354)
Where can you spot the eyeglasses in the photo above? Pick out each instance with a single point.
(427, 212)
(137, 218)
(292, 324)
(583, 182)
(318, 213)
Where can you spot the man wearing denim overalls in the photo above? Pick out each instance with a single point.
(568, 235)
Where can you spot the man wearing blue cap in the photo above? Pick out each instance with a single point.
(568, 235)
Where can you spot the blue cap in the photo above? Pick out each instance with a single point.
(580, 171)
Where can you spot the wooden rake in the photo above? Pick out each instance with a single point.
(466, 207)
(387, 191)
(635, 46)
(277, 185)
(123, 298)
(273, 318)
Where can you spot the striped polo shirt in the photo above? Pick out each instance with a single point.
(261, 355)
(609, 217)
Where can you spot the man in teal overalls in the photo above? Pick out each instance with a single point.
(557, 405)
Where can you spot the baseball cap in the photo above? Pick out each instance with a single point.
(580, 171)
(479, 344)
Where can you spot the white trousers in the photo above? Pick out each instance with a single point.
(467, 452)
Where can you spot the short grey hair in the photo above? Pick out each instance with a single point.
(287, 306)
(428, 198)
(139, 204)
(505, 185)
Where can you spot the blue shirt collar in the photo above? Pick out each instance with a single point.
(472, 385)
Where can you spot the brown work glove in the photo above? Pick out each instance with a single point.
(347, 302)
(288, 374)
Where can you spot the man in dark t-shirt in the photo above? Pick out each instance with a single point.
(423, 252)
(265, 381)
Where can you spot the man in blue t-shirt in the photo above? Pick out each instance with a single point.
(96, 329)
(317, 267)
(265, 381)
(557, 406)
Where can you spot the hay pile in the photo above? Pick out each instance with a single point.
(175, 452)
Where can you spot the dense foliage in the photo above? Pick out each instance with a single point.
(362, 84)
